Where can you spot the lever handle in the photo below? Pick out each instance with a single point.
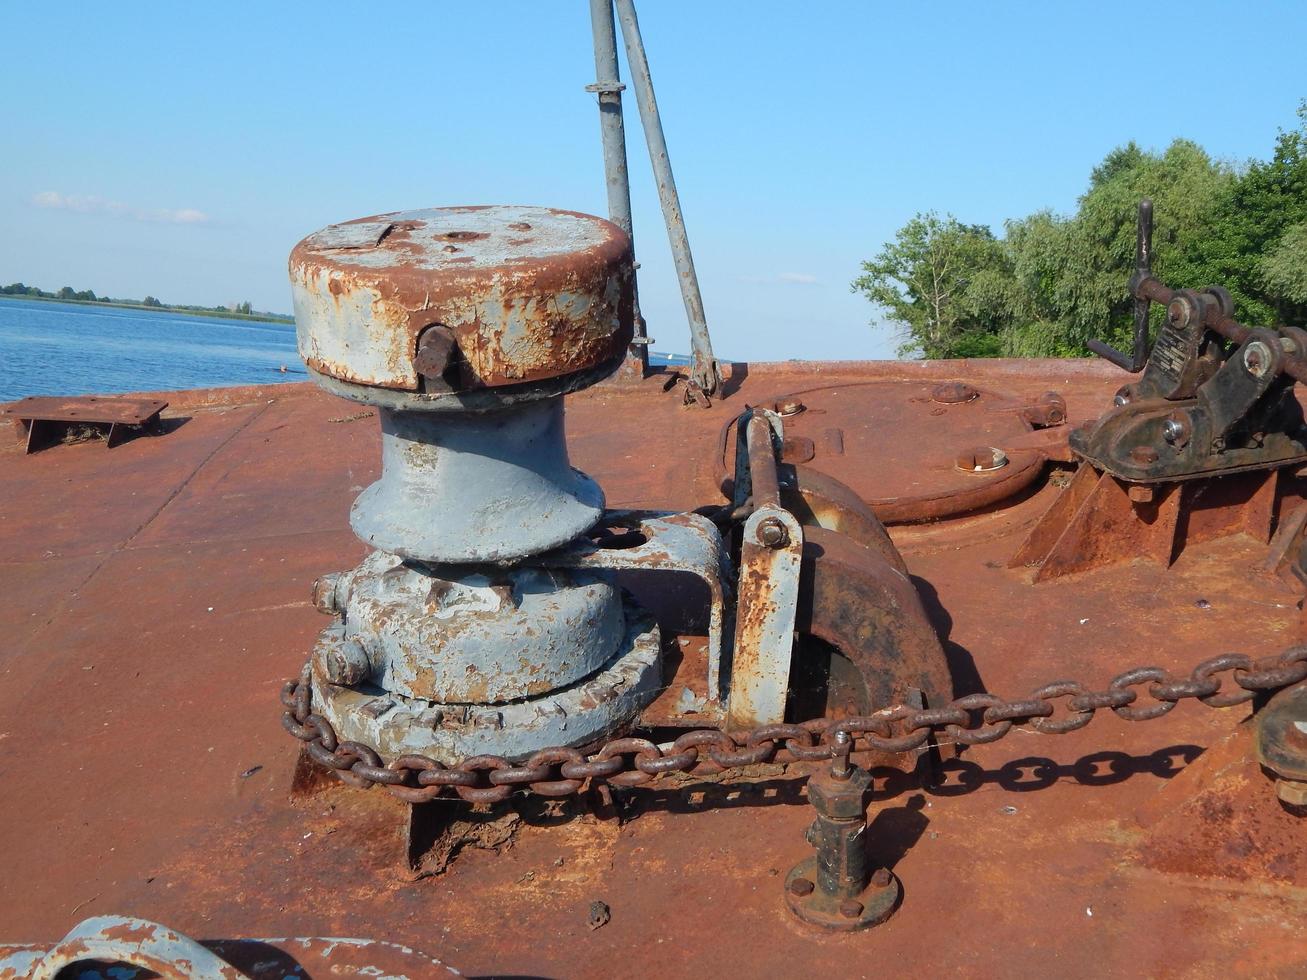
(1138, 357)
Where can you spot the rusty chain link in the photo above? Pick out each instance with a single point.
(971, 720)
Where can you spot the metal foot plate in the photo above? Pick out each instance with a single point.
(871, 907)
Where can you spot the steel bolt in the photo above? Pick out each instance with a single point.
(506, 594)
(1176, 430)
(1141, 493)
(347, 662)
(881, 878)
(1180, 311)
(953, 393)
(324, 594)
(1257, 358)
(791, 406)
(850, 908)
(1291, 791)
(839, 763)
(772, 533)
(801, 886)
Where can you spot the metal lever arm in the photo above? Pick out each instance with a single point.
(704, 369)
(1214, 310)
(1134, 363)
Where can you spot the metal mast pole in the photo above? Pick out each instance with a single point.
(608, 87)
(704, 370)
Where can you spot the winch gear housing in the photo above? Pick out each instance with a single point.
(464, 327)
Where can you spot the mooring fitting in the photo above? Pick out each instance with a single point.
(464, 328)
(1281, 737)
(835, 888)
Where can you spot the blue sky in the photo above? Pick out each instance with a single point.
(182, 149)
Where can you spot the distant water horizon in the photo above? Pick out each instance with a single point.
(50, 348)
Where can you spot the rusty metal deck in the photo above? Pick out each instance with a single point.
(154, 599)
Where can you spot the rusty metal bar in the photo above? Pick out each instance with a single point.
(1143, 271)
(771, 555)
(766, 488)
(1217, 321)
(704, 369)
(608, 88)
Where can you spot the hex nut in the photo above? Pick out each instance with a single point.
(772, 533)
(1180, 311)
(881, 877)
(954, 393)
(850, 908)
(1291, 791)
(1176, 430)
(347, 662)
(1140, 493)
(325, 599)
(839, 799)
(1257, 358)
(801, 886)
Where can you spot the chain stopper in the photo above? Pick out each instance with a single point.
(834, 888)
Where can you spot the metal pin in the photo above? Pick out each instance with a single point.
(839, 762)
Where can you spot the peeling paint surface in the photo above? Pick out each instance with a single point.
(529, 293)
(477, 638)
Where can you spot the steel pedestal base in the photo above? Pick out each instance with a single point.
(870, 907)
(586, 711)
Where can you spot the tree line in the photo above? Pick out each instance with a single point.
(88, 296)
(1052, 282)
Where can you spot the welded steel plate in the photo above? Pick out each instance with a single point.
(914, 451)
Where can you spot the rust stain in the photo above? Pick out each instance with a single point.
(990, 869)
(477, 301)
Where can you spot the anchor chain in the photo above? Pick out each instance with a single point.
(974, 719)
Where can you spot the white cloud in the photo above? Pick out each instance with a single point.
(90, 204)
(792, 278)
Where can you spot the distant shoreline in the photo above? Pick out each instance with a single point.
(183, 310)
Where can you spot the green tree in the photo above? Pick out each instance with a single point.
(1269, 201)
(1053, 282)
(945, 284)
(67, 292)
(150, 301)
(1284, 269)
(1072, 272)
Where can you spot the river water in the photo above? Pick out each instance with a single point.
(49, 348)
(69, 349)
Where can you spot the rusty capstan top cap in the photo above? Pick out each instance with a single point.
(527, 294)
